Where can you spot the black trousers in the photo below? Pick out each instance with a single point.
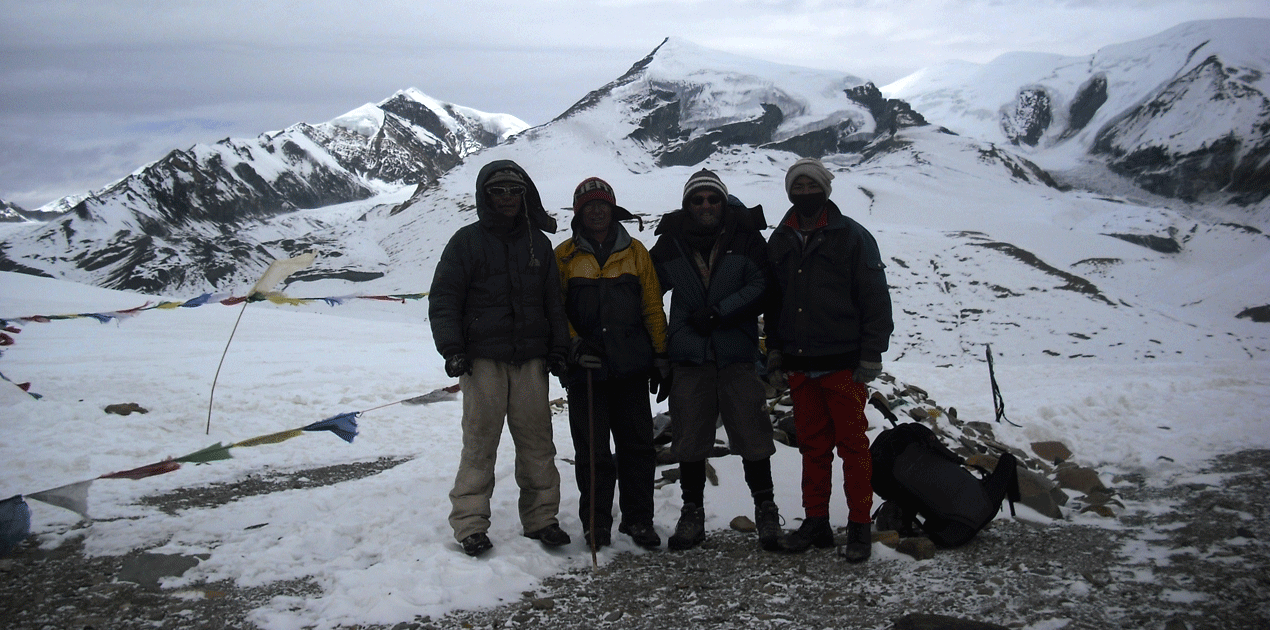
(621, 410)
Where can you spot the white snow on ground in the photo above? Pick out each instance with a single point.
(380, 547)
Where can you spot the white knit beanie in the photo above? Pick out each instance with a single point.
(811, 167)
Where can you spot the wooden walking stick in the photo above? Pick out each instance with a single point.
(590, 421)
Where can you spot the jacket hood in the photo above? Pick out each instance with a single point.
(538, 216)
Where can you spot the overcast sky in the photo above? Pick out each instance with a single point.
(93, 90)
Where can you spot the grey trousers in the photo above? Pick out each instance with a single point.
(699, 395)
(492, 392)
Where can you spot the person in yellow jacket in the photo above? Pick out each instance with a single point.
(618, 357)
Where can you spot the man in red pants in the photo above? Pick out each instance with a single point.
(826, 331)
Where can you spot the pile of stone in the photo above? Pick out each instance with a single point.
(1046, 474)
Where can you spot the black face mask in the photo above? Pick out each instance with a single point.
(808, 204)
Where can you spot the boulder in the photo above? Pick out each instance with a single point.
(1051, 451)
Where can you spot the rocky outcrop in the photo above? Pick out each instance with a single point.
(1028, 118)
(889, 116)
(1089, 98)
(1157, 145)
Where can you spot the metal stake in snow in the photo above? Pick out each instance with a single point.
(278, 271)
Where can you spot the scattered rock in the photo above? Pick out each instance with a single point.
(1100, 510)
(920, 548)
(1053, 452)
(123, 409)
(889, 537)
(743, 524)
(1080, 479)
(148, 569)
(1040, 494)
(918, 621)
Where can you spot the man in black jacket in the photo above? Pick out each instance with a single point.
(827, 331)
(498, 319)
(711, 253)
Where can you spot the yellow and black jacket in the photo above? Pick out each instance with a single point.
(615, 309)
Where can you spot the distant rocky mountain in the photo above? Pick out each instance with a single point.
(376, 192)
(11, 212)
(179, 222)
(1183, 114)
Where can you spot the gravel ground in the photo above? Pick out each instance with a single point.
(1184, 556)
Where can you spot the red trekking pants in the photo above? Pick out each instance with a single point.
(828, 413)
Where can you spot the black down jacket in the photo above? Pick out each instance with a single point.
(497, 295)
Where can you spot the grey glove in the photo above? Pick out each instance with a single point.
(775, 373)
(867, 371)
(583, 356)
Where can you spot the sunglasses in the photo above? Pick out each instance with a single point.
(505, 191)
(700, 200)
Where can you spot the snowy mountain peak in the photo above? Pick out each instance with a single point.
(180, 222)
(683, 102)
(1185, 113)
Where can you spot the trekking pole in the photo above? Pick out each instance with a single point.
(590, 422)
(998, 401)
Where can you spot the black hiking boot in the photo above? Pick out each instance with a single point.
(602, 539)
(815, 530)
(691, 529)
(859, 542)
(551, 536)
(768, 519)
(476, 544)
(642, 533)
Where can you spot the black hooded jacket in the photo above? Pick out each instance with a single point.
(496, 291)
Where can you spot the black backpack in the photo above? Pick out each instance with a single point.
(921, 476)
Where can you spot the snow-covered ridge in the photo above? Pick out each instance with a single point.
(1184, 113)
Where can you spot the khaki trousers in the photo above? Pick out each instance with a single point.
(494, 391)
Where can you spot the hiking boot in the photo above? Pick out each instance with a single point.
(642, 533)
(551, 536)
(859, 542)
(768, 519)
(476, 544)
(602, 539)
(691, 529)
(815, 530)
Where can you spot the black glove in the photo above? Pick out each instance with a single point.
(659, 378)
(704, 320)
(867, 371)
(458, 365)
(584, 356)
(556, 365)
